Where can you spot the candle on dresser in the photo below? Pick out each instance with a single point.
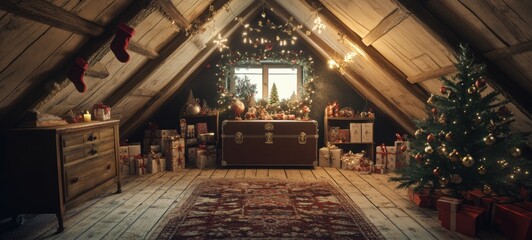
(87, 117)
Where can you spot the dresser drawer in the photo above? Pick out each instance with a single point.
(82, 177)
(87, 137)
(87, 151)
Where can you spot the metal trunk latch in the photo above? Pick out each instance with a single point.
(239, 138)
(269, 138)
(302, 139)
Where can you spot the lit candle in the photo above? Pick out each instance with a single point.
(87, 117)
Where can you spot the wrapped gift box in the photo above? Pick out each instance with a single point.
(101, 112)
(175, 155)
(420, 199)
(402, 158)
(487, 202)
(134, 156)
(141, 166)
(330, 157)
(204, 160)
(513, 221)
(155, 163)
(123, 153)
(462, 218)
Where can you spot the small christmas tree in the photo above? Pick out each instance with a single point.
(274, 96)
(466, 142)
(244, 89)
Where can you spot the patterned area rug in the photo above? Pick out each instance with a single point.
(271, 209)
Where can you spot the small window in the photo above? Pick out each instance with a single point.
(287, 79)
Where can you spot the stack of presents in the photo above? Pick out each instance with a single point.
(163, 150)
(478, 210)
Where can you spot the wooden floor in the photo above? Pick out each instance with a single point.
(145, 200)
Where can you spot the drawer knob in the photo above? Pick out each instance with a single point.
(74, 180)
(108, 166)
(92, 138)
(93, 151)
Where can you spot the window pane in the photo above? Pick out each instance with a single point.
(285, 79)
(255, 77)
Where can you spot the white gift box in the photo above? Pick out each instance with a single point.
(367, 132)
(324, 160)
(336, 158)
(402, 158)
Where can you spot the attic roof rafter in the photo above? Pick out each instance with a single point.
(373, 55)
(50, 14)
(192, 68)
(149, 67)
(358, 82)
(167, 8)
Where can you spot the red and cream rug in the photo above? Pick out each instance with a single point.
(267, 209)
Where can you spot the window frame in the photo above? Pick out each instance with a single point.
(265, 77)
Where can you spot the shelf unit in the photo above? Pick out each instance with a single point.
(212, 120)
(344, 123)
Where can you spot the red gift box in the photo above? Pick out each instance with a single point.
(424, 199)
(513, 221)
(459, 217)
(487, 202)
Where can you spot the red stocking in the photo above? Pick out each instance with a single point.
(121, 41)
(75, 74)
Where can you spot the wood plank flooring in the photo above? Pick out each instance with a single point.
(145, 200)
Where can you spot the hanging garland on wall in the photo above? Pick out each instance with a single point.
(299, 107)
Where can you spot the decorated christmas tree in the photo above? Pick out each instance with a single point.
(466, 142)
(274, 95)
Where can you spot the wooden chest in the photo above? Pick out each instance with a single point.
(53, 168)
(269, 143)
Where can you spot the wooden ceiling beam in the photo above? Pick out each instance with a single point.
(97, 70)
(360, 84)
(94, 50)
(191, 69)
(385, 25)
(47, 13)
(167, 8)
(505, 52)
(142, 73)
(433, 74)
(142, 50)
(511, 91)
(373, 55)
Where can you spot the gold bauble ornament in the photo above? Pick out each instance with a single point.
(468, 161)
(428, 149)
(443, 119)
(418, 157)
(503, 163)
(454, 156)
(443, 150)
(455, 178)
(515, 152)
(489, 140)
(449, 136)
(443, 181)
(482, 169)
(472, 90)
(418, 132)
(486, 189)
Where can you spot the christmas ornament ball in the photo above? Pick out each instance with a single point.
(472, 90)
(486, 189)
(481, 82)
(454, 156)
(418, 132)
(404, 148)
(431, 99)
(443, 90)
(428, 149)
(468, 161)
(449, 136)
(482, 169)
(430, 137)
(434, 110)
(515, 152)
(489, 140)
(443, 119)
(436, 171)
(418, 157)
(443, 181)
(503, 111)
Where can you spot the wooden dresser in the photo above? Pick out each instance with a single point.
(53, 168)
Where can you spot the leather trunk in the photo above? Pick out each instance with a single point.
(269, 143)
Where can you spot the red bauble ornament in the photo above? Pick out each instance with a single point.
(434, 111)
(418, 157)
(443, 90)
(403, 148)
(208, 65)
(430, 137)
(481, 82)
(503, 111)
(436, 171)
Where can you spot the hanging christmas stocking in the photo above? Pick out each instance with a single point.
(75, 74)
(121, 41)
